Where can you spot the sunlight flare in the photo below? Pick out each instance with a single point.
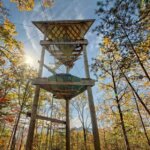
(29, 60)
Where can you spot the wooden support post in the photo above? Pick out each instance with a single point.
(35, 106)
(67, 69)
(67, 126)
(91, 104)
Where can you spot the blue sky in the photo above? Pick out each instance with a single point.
(62, 10)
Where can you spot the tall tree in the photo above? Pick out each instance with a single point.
(80, 104)
(117, 75)
(123, 22)
(109, 69)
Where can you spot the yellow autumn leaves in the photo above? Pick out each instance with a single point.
(28, 5)
(142, 49)
(10, 27)
(48, 3)
(24, 5)
(7, 35)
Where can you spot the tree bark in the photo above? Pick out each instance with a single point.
(41, 137)
(12, 145)
(85, 137)
(145, 132)
(123, 126)
(120, 112)
(47, 136)
(136, 54)
(137, 95)
(105, 142)
(20, 147)
(77, 140)
(50, 141)
(133, 89)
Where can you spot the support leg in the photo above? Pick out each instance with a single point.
(34, 107)
(67, 126)
(91, 105)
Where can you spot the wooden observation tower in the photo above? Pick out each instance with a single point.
(65, 41)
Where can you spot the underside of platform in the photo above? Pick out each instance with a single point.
(65, 38)
(64, 86)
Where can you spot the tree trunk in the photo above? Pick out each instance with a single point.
(11, 135)
(35, 106)
(120, 112)
(123, 126)
(133, 89)
(12, 145)
(41, 137)
(22, 138)
(3, 129)
(137, 95)
(47, 136)
(77, 140)
(105, 142)
(136, 54)
(85, 137)
(145, 132)
(50, 139)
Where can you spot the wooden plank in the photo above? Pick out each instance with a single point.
(47, 42)
(47, 118)
(45, 81)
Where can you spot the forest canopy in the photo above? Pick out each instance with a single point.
(118, 52)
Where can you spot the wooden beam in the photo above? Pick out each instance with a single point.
(67, 22)
(67, 126)
(47, 118)
(45, 81)
(63, 55)
(46, 42)
(48, 68)
(30, 135)
(50, 119)
(91, 105)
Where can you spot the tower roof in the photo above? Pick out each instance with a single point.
(60, 30)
